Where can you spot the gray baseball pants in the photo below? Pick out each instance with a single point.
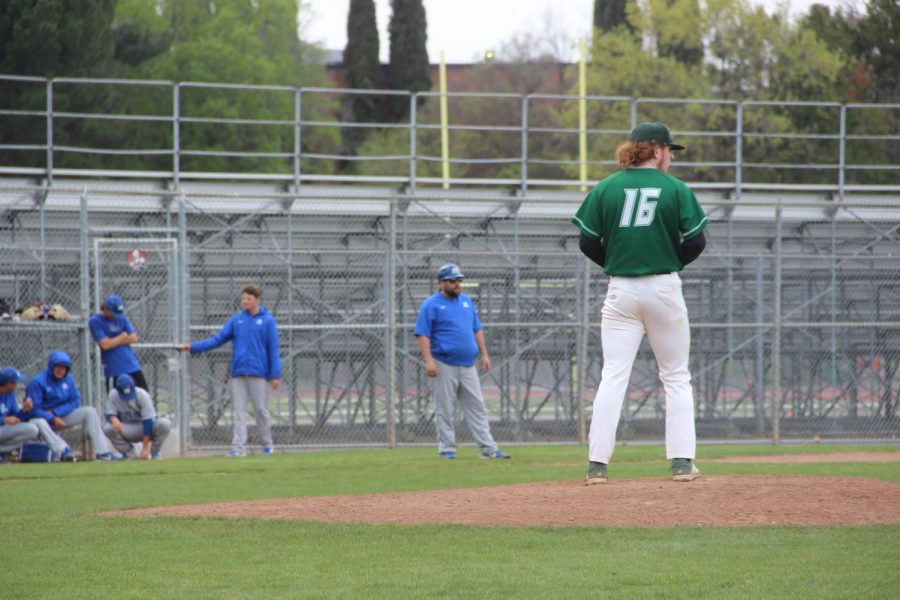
(86, 416)
(13, 436)
(56, 443)
(133, 433)
(459, 384)
(254, 389)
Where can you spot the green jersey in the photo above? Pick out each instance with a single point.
(641, 215)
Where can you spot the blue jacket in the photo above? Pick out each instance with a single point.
(451, 325)
(120, 359)
(254, 345)
(9, 407)
(60, 396)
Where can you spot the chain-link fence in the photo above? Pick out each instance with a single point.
(794, 307)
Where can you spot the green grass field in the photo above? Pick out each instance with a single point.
(56, 545)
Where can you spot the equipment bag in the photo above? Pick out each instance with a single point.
(35, 452)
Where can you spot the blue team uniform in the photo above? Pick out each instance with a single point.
(451, 325)
(61, 396)
(120, 359)
(254, 344)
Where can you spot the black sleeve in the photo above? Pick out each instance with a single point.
(593, 249)
(692, 248)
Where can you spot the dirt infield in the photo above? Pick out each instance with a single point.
(658, 502)
(830, 457)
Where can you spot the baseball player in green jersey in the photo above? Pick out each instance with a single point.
(643, 226)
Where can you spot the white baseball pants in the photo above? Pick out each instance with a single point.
(635, 305)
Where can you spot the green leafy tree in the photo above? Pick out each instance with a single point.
(363, 71)
(408, 67)
(677, 34)
(609, 14)
(241, 42)
(52, 38)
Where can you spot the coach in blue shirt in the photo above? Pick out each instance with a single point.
(450, 337)
(114, 334)
(253, 334)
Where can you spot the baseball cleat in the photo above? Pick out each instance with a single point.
(596, 473)
(684, 469)
(268, 450)
(448, 455)
(494, 454)
(67, 455)
(236, 453)
(155, 456)
(109, 456)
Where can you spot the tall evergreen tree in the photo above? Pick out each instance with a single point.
(609, 14)
(683, 42)
(408, 68)
(56, 37)
(53, 38)
(363, 70)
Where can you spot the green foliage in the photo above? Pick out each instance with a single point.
(609, 14)
(52, 514)
(363, 70)
(230, 41)
(408, 67)
(673, 24)
(51, 38)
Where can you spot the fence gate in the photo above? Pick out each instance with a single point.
(144, 273)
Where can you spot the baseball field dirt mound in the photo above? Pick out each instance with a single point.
(708, 501)
(830, 457)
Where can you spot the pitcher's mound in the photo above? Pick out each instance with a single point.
(710, 500)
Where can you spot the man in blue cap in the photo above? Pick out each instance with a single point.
(131, 418)
(114, 334)
(15, 428)
(450, 337)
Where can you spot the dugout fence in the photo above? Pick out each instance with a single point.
(794, 306)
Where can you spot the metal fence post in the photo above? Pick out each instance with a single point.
(297, 136)
(776, 332)
(739, 151)
(583, 339)
(842, 155)
(50, 131)
(88, 383)
(176, 133)
(389, 291)
(524, 157)
(184, 405)
(413, 119)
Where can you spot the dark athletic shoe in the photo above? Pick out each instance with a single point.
(596, 473)
(684, 469)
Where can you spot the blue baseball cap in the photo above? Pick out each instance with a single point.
(125, 387)
(10, 375)
(115, 304)
(450, 271)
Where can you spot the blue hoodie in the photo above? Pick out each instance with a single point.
(254, 345)
(53, 397)
(9, 407)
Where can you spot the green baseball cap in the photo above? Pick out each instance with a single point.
(654, 132)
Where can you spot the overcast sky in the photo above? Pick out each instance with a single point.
(466, 29)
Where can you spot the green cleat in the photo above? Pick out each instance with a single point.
(684, 469)
(596, 473)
